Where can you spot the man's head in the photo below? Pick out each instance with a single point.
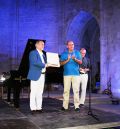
(83, 52)
(70, 46)
(39, 45)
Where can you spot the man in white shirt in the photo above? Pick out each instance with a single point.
(84, 69)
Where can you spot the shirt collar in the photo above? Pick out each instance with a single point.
(40, 52)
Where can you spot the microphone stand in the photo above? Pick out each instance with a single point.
(90, 109)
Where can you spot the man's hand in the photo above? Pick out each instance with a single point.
(66, 61)
(86, 69)
(76, 60)
(69, 57)
(46, 65)
(73, 57)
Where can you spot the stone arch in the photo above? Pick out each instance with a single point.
(76, 26)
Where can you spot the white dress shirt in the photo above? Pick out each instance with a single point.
(41, 56)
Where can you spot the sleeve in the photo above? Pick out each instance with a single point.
(33, 58)
(88, 65)
(63, 57)
(78, 56)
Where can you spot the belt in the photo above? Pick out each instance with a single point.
(43, 73)
(83, 73)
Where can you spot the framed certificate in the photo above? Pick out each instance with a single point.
(53, 59)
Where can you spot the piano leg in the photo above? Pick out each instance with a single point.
(16, 95)
(9, 90)
(9, 86)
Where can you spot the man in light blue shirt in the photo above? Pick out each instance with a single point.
(71, 59)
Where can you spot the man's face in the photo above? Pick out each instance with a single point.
(70, 46)
(83, 53)
(40, 45)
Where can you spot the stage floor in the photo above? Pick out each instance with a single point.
(54, 118)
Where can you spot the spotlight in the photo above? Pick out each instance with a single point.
(2, 78)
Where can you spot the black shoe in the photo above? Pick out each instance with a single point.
(63, 109)
(39, 111)
(33, 112)
(77, 109)
(81, 105)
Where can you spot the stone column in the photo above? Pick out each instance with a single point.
(110, 45)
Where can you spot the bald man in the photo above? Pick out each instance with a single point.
(70, 60)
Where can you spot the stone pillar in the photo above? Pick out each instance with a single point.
(110, 45)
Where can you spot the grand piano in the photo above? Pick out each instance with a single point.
(18, 78)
